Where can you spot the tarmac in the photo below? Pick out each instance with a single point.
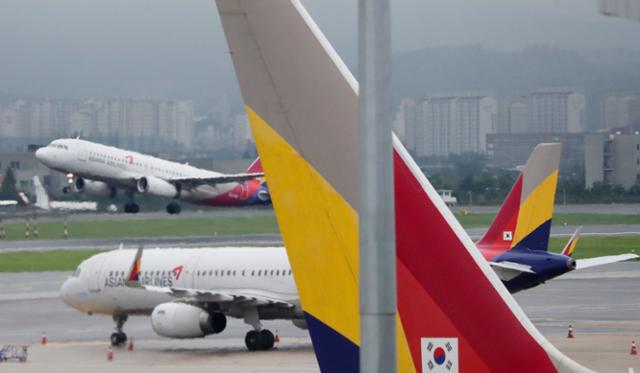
(602, 304)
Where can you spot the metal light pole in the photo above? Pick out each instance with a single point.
(376, 207)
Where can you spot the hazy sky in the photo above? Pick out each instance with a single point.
(56, 42)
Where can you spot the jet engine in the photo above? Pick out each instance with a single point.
(180, 320)
(263, 195)
(95, 188)
(158, 187)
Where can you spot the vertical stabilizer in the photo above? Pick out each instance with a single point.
(42, 198)
(302, 104)
(524, 220)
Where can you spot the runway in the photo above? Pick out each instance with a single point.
(257, 239)
(603, 304)
(149, 242)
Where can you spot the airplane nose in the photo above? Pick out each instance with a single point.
(65, 291)
(42, 154)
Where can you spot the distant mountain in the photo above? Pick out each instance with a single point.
(473, 68)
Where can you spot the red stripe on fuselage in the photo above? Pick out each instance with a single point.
(493, 243)
(236, 196)
(443, 293)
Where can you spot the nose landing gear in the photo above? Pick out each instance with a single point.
(119, 337)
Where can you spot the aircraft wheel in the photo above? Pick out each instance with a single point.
(118, 339)
(253, 340)
(267, 339)
(173, 208)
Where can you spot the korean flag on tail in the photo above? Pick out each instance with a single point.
(439, 355)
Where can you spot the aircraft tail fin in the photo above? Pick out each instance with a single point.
(524, 219)
(42, 197)
(255, 167)
(133, 278)
(571, 244)
(302, 104)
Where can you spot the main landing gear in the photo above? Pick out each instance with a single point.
(174, 208)
(257, 339)
(119, 338)
(131, 208)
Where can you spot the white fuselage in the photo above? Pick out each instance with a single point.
(121, 168)
(98, 285)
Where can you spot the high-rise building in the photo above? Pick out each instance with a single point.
(144, 125)
(612, 159)
(556, 111)
(620, 111)
(444, 125)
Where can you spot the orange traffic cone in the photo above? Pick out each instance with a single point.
(634, 348)
(109, 353)
(43, 338)
(570, 334)
(130, 346)
(277, 338)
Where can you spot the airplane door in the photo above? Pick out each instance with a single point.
(82, 153)
(95, 281)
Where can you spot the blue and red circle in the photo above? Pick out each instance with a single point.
(439, 356)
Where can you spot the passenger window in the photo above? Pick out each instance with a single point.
(278, 273)
(259, 273)
(228, 272)
(271, 272)
(253, 273)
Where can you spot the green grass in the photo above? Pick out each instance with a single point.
(68, 260)
(485, 219)
(40, 261)
(148, 228)
(591, 246)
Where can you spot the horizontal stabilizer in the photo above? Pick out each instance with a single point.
(509, 270)
(602, 260)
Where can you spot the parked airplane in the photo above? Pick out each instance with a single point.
(100, 170)
(517, 242)
(452, 311)
(189, 293)
(43, 201)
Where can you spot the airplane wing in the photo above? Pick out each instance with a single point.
(245, 297)
(593, 262)
(509, 270)
(232, 178)
(218, 296)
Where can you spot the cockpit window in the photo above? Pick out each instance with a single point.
(76, 273)
(58, 146)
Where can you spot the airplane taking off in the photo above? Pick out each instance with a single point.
(43, 201)
(189, 293)
(100, 170)
(302, 104)
(517, 242)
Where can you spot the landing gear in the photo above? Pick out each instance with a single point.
(174, 208)
(131, 208)
(119, 338)
(259, 340)
(66, 190)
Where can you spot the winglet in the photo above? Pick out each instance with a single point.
(133, 280)
(573, 241)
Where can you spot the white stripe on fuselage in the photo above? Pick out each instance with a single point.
(100, 285)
